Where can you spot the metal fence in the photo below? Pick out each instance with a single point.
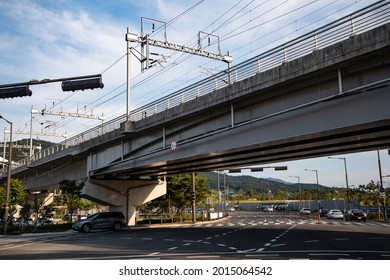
(359, 22)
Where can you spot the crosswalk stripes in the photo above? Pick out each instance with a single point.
(289, 222)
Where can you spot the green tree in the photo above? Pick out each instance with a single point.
(180, 190)
(281, 195)
(17, 188)
(370, 193)
(179, 195)
(71, 193)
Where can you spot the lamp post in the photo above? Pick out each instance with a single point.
(346, 179)
(32, 111)
(318, 187)
(381, 186)
(299, 187)
(8, 176)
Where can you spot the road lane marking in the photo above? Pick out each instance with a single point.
(172, 248)
(203, 256)
(245, 251)
(311, 241)
(278, 245)
(327, 254)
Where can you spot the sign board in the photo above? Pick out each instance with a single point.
(173, 145)
(383, 195)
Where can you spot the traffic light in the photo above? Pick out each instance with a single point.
(82, 84)
(260, 169)
(234, 170)
(280, 168)
(13, 197)
(12, 92)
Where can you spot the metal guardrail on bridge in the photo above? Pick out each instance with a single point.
(358, 22)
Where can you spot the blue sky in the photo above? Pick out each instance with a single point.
(64, 38)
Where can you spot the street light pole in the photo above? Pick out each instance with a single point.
(381, 182)
(129, 40)
(8, 176)
(346, 179)
(299, 187)
(318, 187)
(32, 111)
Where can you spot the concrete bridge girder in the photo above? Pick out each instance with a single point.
(49, 177)
(124, 195)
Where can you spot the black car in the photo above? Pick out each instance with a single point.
(102, 220)
(324, 212)
(356, 214)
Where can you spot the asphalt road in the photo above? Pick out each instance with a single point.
(243, 235)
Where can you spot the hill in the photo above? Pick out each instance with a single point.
(259, 185)
(18, 153)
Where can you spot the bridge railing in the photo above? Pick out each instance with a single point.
(358, 22)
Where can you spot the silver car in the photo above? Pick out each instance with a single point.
(335, 214)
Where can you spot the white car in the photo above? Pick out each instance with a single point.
(305, 211)
(335, 214)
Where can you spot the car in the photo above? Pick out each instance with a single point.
(268, 209)
(355, 214)
(324, 212)
(335, 214)
(305, 211)
(101, 220)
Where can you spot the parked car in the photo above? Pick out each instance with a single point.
(268, 209)
(102, 220)
(305, 211)
(324, 212)
(335, 214)
(356, 214)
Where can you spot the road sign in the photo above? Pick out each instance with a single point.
(383, 195)
(173, 145)
(382, 190)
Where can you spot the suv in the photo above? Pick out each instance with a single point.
(102, 220)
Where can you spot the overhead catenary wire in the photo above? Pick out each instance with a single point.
(117, 92)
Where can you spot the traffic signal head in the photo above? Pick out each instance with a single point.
(279, 168)
(260, 169)
(82, 84)
(13, 197)
(12, 92)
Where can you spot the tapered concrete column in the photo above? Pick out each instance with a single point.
(124, 195)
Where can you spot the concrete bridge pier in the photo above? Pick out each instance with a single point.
(124, 195)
